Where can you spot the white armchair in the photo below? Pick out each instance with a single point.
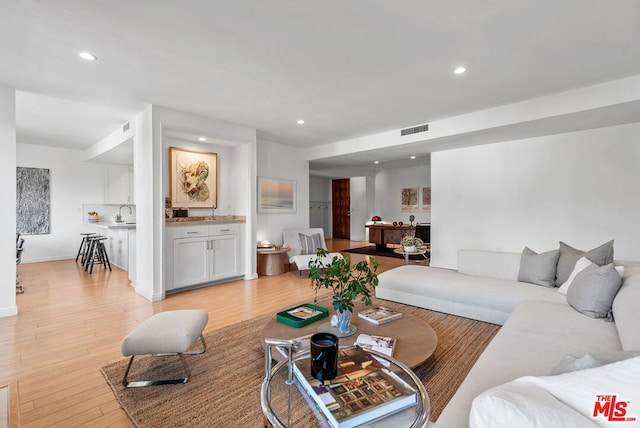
(291, 238)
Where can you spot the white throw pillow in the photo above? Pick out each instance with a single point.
(582, 263)
(582, 389)
(565, 400)
(520, 404)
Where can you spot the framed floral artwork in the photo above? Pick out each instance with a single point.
(426, 199)
(409, 200)
(276, 195)
(193, 178)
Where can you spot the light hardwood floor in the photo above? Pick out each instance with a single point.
(71, 323)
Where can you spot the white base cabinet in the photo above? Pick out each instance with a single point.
(202, 254)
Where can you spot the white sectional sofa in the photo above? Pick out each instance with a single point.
(540, 329)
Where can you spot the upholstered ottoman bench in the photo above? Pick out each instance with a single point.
(166, 333)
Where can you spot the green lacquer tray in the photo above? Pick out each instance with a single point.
(286, 318)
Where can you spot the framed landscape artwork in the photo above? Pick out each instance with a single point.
(193, 178)
(409, 200)
(276, 195)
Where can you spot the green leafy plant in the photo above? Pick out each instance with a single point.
(347, 281)
(408, 240)
(92, 213)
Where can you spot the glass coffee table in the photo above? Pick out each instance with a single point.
(285, 404)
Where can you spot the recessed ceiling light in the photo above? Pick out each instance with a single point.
(376, 162)
(413, 157)
(202, 139)
(300, 122)
(88, 56)
(460, 70)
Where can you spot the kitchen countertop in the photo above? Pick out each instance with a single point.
(223, 219)
(114, 225)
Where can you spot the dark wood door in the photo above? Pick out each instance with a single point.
(341, 198)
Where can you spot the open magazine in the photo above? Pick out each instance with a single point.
(382, 344)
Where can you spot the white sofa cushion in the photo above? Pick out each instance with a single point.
(492, 264)
(485, 299)
(582, 398)
(534, 339)
(520, 404)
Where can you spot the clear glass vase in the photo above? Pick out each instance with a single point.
(344, 321)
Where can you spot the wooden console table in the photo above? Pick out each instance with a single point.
(383, 234)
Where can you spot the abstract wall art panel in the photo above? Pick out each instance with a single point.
(32, 201)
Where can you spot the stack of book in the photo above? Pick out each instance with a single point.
(363, 390)
(379, 315)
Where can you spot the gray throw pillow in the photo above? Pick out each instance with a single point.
(537, 268)
(593, 290)
(602, 255)
(309, 244)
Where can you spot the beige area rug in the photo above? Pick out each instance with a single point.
(224, 388)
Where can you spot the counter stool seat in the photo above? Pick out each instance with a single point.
(84, 246)
(165, 333)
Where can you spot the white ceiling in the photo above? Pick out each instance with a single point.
(349, 68)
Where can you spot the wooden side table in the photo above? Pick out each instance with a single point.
(273, 261)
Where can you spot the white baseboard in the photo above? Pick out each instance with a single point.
(8, 311)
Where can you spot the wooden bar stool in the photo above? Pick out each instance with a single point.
(84, 244)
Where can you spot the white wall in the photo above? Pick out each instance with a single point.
(319, 189)
(73, 183)
(388, 187)
(285, 162)
(358, 208)
(581, 188)
(8, 196)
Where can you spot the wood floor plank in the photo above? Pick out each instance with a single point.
(71, 323)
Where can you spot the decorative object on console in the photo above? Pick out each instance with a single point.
(376, 218)
(347, 281)
(411, 218)
(411, 243)
(193, 178)
(395, 223)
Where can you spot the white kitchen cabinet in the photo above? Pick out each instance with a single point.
(202, 254)
(117, 246)
(118, 184)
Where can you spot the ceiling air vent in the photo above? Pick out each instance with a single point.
(414, 130)
(125, 127)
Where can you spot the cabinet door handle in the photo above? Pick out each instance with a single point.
(192, 233)
(207, 245)
(225, 230)
(211, 244)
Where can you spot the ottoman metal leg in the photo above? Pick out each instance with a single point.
(139, 383)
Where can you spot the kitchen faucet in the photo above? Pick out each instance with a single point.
(119, 215)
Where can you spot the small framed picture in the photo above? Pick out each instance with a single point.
(276, 195)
